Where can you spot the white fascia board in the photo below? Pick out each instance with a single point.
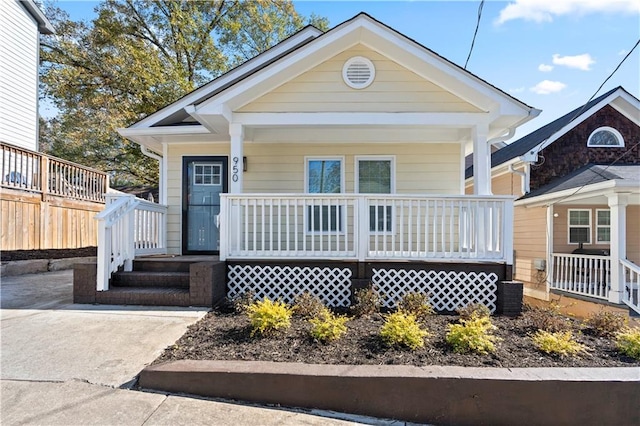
(587, 191)
(628, 106)
(254, 62)
(465, 119)
(163, 131)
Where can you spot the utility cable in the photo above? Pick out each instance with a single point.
(473, 42)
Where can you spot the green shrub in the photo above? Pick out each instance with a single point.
(267, 316)
(242, 302)
(628, 342)
(367, 302)
(474, 310)
(402, 329)
(605, 323)
(557, 343)
(327, 327)
(547, 318)
(307, 305)
(416, 304)
(472, 335)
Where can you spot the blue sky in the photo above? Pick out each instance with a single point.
(550, 54)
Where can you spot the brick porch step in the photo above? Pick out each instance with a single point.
(152, 296)
(151, 279)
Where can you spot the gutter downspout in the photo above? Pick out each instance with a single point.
(524, 177)
(158, 157)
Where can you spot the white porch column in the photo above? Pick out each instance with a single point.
(236, 131)
(481, 161)
(618, 211)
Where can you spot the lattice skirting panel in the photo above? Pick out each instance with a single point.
(447, 290)
(332, 285)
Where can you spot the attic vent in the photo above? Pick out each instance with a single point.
(358, 72)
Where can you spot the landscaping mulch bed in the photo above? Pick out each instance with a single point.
(227, 336)
(11, 255)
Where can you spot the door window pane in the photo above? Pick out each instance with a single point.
(207, 174)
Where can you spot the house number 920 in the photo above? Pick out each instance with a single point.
(234, 169)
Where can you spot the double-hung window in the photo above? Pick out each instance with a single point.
(375, 175)
(603, 226)
(579, 226)
(324, 176)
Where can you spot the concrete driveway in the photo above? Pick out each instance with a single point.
(62, 363)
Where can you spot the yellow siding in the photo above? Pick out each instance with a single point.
(395, 88)
(530, 243)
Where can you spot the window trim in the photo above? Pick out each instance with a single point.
(597, 226)
(569, 226)
(341, 212)
(608, 129)
(392, 186)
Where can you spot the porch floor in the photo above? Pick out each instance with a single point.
(180, 258)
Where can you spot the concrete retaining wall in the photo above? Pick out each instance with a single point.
(35, 266)
(436, 395)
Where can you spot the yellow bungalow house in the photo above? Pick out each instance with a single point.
(330, 160)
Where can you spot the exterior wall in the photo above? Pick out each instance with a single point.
(561, 230)
(570, 152)
(395, 88)
(530, 243)
(19, 71)
(419, 169)
(506, 184)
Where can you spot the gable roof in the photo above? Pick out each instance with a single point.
(44, 26)
(545, 135)
(589, 175)
(175, 114)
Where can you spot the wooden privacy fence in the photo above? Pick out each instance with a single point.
(47, 202)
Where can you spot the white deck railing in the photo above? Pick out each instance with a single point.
(357, 226)
(587, 275)
(631, 275)
(128, 226)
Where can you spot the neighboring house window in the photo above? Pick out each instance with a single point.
(207, 174)
(375, 175)
(605, 137)
(324, 176)
(603, 226)
(579, 226)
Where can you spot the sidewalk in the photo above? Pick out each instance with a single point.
(74, 364)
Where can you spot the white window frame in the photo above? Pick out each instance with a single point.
(307, 225)
(608, 129)
(392, 186)
(602, 226)
(208, 164)
(569, 226)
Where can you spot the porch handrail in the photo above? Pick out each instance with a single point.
(128, 226)
(587, 275)
(366, 226)
(631, 288)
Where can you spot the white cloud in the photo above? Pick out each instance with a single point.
(582, 62)
(546, 87)
(546, 10)
(517, 90)
(545, 67)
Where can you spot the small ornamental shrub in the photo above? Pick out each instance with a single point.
(628, 342)
(474, 310)
(327, 327)
(605, 323)
(416, 304)
(267, 316)
(547, 318)
(242, 302)
(558, 343)
(307, 305)
(402, 329)
(367, 302)
(472, 335)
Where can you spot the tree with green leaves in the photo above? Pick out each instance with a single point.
(138, 56)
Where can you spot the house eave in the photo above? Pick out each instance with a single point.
(573, 195)
(44, 25)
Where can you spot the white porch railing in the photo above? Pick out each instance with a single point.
(128, 226)
(583, 274)
(631, 276)
(360, 227)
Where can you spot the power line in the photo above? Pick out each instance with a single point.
(475, 33)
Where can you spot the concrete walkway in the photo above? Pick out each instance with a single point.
(74, 364)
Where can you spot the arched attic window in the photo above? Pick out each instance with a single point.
(605, 137)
